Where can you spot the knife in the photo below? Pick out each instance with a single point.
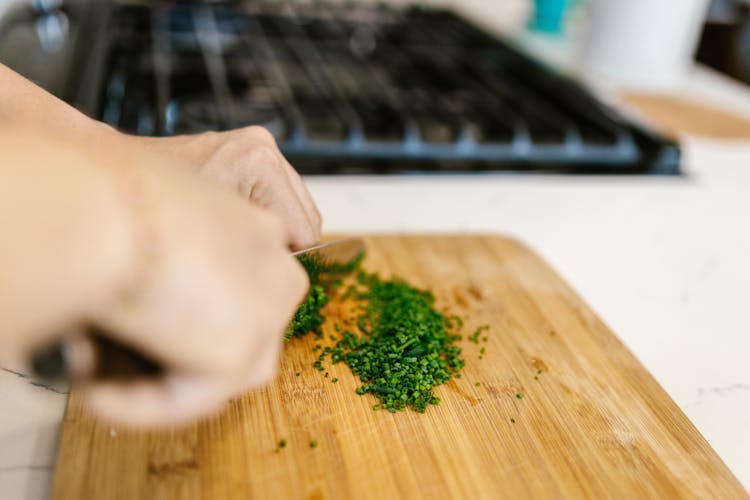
(113, 360)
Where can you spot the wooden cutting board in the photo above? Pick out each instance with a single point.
(592, 421)
(679, 115)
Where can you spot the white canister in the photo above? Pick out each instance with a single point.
(643, 44)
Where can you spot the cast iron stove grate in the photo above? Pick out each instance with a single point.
(357, 88)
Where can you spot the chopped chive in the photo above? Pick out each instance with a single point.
(474, 337)
(399, 345)
(307, 318)
(313, 444)
(519, 395)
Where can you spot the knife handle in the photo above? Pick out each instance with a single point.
(111, 360)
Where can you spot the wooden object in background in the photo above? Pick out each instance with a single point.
(591, 423)
(676, 115)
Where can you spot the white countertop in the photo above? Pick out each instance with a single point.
(664, 261)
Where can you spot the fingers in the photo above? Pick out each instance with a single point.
(178, 399)
(249, 162)
(314, 216)
(276, 192)
(265, 365)
(219, 287)
(285, 198)
(213, 306)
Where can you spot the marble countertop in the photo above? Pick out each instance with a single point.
(664, 261)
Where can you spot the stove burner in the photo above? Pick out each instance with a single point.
(362, 89)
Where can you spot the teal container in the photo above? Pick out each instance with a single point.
(548, 16)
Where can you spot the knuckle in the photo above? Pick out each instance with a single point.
(260, 134)
(263, 156)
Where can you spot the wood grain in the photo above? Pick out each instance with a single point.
(676, 115)
(592, 424)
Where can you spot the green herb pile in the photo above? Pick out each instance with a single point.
(404, 348)
(401, 348)
(308, 317)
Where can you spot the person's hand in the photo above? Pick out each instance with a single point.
(220, 336)
(194, 277)
(96, 231)
(248, 162)
(210, 298)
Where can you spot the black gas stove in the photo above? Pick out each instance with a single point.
(351, 88)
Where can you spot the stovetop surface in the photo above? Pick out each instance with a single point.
(352, 88)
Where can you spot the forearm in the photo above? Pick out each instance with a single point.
(66, 237)
(21, 101)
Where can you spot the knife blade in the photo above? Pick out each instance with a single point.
(110, 359)
(332, 260)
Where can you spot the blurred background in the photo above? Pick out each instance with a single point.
(610, 135)
(397, 87)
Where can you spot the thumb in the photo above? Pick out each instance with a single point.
(175, 399)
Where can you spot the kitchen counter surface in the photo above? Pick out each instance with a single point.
(664, 261)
